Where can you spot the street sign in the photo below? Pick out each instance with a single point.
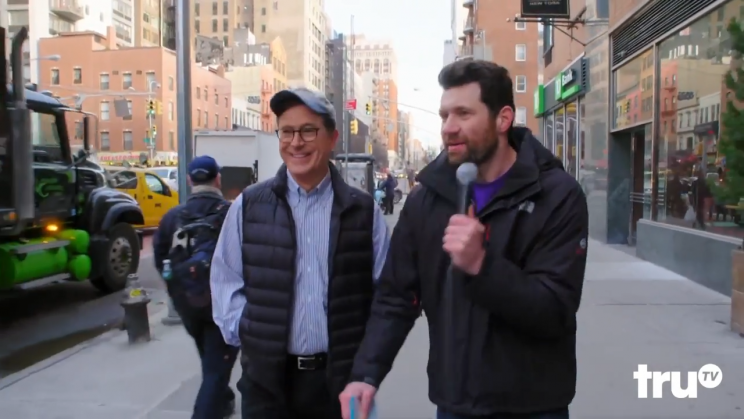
(350, 105)
(556, 9)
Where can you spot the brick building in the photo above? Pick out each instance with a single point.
(94, 72)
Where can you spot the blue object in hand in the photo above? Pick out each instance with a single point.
(353, 408)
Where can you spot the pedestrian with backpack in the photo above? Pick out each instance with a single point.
(183, 247)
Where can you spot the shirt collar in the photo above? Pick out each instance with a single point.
(321, 188)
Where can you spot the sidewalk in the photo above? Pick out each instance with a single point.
(632, 312)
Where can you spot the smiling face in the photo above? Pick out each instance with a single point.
(305, 143)
(470, 132)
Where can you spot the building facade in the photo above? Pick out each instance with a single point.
(303, 27)
(95, 74)
(218, 19)
(666, 173)
(246, 112)
(45, 18)
(510, 44)
(255, 84)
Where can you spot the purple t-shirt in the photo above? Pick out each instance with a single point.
(483, 192)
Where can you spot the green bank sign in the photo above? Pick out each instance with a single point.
(566, 84)
(539, 100)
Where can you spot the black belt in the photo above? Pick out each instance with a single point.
(307, 362)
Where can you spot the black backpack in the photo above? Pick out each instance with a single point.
(192, 247)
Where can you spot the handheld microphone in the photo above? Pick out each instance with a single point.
(466, 175)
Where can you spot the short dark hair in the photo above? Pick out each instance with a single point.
(495, 82)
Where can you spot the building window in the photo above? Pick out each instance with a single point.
(216, 98)
(197, 26)
(226, 40)
(126, 81)
(104, 111)
(225, 25)
(227, 123)
(55, 77)
(214, 25)
(170, 111)
(206, 119)
(129, 107)
(104, 82)
(263, 11)
(520, 26)
(263, 28)
(172, 140)
(216, 121)
(198, 93)
(226, 103)
(520, 52)
(215, 8)
(521, 84)
(225, 7)
(150, 77)
(105, 144)
(77, 76)
(128, 143)
(196, 10)
(198, 117)
(520, 118)
(171, 83)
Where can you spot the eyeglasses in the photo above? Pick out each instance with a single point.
(307, 134)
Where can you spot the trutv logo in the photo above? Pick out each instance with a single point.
(709, 376)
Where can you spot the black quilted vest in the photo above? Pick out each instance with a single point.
(268, 250)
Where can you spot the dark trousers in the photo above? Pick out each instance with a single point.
(307, 394)
(554, 414)
(215, 399)
(388, 200)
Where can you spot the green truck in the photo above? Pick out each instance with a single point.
(59, 221)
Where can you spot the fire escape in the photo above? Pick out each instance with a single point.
(468, 31)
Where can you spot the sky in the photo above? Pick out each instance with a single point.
(417, 29)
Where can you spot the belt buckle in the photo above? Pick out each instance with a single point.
(300, 360)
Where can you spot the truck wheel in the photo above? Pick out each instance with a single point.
(122, 258)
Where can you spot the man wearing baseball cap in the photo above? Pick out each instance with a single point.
(190, 291)
(296, 266)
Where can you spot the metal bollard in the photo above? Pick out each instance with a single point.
(172, 319)
(136, 317)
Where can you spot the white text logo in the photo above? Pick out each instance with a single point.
(709, 376)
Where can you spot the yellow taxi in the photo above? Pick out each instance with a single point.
(152, 193)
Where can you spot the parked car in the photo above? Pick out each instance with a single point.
(151, 192)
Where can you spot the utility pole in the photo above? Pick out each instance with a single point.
(150, 116)
(183, 98)
(344, 98)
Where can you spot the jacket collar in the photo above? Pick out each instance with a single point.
(343, 194)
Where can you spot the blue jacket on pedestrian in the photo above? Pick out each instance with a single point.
(390, 185)
(202, 199)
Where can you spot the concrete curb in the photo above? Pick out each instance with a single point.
(155, 321)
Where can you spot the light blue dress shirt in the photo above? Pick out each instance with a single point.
(312, 215)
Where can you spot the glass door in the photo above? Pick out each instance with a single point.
(572, 138)
(560, 134)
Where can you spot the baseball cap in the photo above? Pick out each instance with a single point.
(203, 169)
(316, 101)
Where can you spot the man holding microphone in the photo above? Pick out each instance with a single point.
(502, 290)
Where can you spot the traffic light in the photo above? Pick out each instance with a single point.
(626, 107)
(368, 108)
(354, 125)
(158, 107)
(150, 107)
(154, 131)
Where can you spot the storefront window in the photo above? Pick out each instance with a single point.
(572, 128)
(692, 64)
(549, 132)
(634, 91)
(560, 130)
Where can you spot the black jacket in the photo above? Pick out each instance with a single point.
(202, 200)
(513, 344)
(269, 253)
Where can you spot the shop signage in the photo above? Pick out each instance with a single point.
(556, 9)
(567, 77)
(685, 95)
(539, 100)
(256, 100)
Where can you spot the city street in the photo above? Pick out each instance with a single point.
(633, 312)
(40, 323)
